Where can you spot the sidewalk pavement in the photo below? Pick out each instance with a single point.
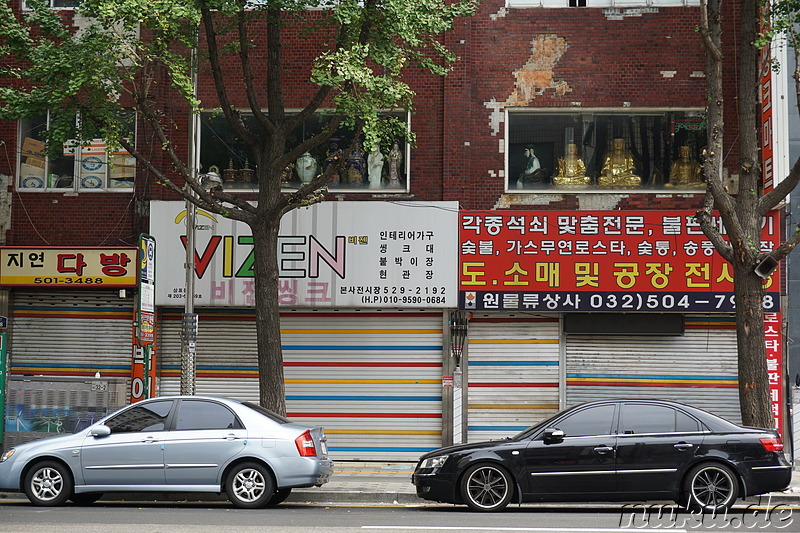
(375, 483)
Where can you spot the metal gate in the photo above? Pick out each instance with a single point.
(513, 373)
(697, 368)
(71, 334)
(373, 380)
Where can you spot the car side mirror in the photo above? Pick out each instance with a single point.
(553, 435)
(100, 431)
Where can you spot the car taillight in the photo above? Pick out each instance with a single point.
(305, 445)
(774, 444)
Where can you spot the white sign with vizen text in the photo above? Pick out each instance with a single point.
(332, 254)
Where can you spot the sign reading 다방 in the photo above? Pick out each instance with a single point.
(68, 267)
(355, 254)
(623, 261)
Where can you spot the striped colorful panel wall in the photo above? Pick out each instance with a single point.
(513, 373)
(372, 380)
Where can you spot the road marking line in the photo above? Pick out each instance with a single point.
(533, 529)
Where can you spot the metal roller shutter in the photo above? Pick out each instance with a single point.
(372, 380)
(697, 368)
(72, 334)
(513, 373)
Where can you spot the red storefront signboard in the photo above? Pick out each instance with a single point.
(610, 261)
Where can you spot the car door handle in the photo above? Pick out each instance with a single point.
(684, 446)
(149, 440)
(230, 436)
(604, 449)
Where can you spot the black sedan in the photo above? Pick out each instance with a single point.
(614, 450)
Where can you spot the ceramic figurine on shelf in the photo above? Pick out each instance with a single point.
(395, 164)
(286, 174)
(375, 167)
(306, 167)
(533, 174)
(332, 157)
(229, 174)
(247, 174)
(355, 166)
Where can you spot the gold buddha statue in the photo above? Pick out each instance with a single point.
(619, 169)
(571, 170)
(686, 172)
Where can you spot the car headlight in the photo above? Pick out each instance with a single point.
(434, 462)
(7, 455)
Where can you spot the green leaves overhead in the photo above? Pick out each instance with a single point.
(119, 53)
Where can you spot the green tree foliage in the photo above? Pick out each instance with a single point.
(145, 55)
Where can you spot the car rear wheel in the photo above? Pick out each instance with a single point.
(279, 496)
(486, 487)
(48, 483)
(711, 487)
(249, 486)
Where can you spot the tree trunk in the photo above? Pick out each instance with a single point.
(754, 398)
(272, 394)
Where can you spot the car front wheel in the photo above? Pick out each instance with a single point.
(48, 483)
(486, 487)
(249, 486)
(711, 487)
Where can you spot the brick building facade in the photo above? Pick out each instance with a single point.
(544, 77)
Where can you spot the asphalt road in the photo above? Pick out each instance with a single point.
(112, 517)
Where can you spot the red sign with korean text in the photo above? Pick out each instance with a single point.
(773, 339)
(626, 261)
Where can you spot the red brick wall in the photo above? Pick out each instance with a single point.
(605, 64)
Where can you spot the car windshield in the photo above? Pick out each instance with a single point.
(266, 412)
(526, 434)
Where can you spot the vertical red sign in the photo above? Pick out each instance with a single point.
(773, 338)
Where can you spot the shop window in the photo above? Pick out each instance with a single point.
(599, 151)
(366, 170)
(74, 166)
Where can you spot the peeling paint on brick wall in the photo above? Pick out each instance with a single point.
(533, 78)
(536, 75)
(502, 12)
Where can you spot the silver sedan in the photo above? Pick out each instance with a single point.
(173, 444)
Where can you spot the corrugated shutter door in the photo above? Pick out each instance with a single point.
(513, 373)
(72, 334)
(372, 380)
(698, 368)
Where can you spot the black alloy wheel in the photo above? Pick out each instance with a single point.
(48, 483)
(711, 487)
(486, 487)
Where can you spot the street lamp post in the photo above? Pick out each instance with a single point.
(189, 321)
